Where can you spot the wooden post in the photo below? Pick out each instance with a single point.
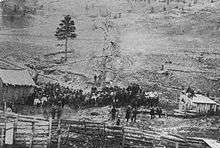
(123, 137)
(177, 144)
(102, 133)
(59, 133)
(32, 134)
(15, 129)
(68, 133)
(2, 136)
(85, 126)
(4, 133)
(5, 107)
(50, 132)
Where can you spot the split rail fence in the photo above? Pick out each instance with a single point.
(27, 131)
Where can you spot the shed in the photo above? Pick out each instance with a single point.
(15, 85)
(198, 103)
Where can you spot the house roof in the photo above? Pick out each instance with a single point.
(212, 143)
(16, 77)
(202, 99)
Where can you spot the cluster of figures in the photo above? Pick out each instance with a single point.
(158, 111)
(54, 95)
(132, 112)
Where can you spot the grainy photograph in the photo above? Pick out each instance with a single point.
(109, 73)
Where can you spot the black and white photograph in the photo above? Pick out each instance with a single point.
(109, 73)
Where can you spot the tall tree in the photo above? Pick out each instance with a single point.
(112, 62)
(66, 31)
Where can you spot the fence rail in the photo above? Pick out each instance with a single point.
(29, 131)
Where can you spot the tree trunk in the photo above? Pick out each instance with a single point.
(168, 2)
(66, 49)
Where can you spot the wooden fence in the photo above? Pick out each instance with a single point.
(78, 132)
(27, 131)
(24, 131)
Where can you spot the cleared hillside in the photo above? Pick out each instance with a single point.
(184, 38)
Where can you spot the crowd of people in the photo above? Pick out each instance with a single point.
(55, 96)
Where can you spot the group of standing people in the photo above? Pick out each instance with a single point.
(132, 112)
(158, 111)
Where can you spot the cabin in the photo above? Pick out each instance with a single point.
(16, 85)
(197, 103)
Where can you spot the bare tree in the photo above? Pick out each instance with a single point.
(112, 61)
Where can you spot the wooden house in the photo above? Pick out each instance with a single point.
(15, 85)
(197, 103)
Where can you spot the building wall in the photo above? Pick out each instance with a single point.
(205, 108)
(1, 94)
(10, 93)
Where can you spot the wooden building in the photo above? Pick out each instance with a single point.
(197, 103)
(15, 85)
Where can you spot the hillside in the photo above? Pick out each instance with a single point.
(184, 38)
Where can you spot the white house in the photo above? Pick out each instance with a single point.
(197, 103)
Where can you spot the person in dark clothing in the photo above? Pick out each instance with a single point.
(95, 78)
(59, 112)
(152, 113)
(113, 113)
(53, 111)
(134, 115)
(118, 122)
(159, 112)
(128, 113)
